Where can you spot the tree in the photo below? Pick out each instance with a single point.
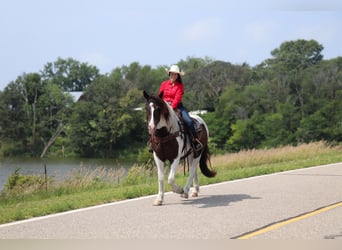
(245, 134)
(69, 74)
(14, 129)
(32, 111)
(297, 55)
(54, 116)
(273, 130)
(106, 120)
(326, 78)
(207, 83)
(31, 88)
(291, 59)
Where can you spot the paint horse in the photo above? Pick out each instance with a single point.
(170, 142)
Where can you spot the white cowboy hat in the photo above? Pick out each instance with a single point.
(175, 69)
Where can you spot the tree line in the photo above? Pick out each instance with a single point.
(294, 96)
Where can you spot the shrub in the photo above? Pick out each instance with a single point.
(20, 184)
(138, 175)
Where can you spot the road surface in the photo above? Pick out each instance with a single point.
(300, 204)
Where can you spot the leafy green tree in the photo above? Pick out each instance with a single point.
(14, 129)
(31, 88)
(192, 64)
(54, 116)
(291, 59)
(106, 120)
(297, 55)
(311, 128)
(207, 83)
(69, 74)
(34, 110)
(291, 117)
(149, 79)
(324, 124)
(273, 130)
(82, 129)
(224, 116)
(245, 134)
(219, 129)
(130, 73)
(326, 79)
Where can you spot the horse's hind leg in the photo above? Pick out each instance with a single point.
(192, 177)
(195, 191)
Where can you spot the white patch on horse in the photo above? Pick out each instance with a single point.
(151, 121)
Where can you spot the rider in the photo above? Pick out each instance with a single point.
(173, 92)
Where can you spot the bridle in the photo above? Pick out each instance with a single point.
(161, 136)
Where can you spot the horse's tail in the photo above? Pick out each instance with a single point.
(205, 158)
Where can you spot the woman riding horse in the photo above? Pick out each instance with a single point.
(173, 89)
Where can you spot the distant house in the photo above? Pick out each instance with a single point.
(76, 95)
(198, 112)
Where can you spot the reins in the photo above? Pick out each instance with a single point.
(157, 140)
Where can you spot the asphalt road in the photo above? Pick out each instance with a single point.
(301, 204)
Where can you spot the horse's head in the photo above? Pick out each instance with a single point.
(157, 112)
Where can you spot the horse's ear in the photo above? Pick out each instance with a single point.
(146, 95)
(161, 94)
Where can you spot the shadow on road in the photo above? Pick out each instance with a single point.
(217, 200)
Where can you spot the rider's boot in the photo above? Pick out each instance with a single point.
(196, 144)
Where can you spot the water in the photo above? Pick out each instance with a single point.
(58, 168)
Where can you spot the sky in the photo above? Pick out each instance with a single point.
(110, 33)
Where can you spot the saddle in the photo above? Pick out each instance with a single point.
(199, 129)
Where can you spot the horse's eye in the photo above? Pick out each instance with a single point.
(156, 112)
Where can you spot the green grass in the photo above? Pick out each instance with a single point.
(83, 189)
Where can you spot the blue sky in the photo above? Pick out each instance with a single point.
(110, 33)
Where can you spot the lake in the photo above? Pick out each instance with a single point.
(58, 168)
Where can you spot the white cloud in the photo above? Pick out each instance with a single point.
(324, 33)
(259, 31)
(202, 31)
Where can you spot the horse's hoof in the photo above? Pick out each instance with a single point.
(194, 194)
(185, 195)
(157, 203)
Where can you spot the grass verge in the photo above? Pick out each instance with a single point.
(85, 189)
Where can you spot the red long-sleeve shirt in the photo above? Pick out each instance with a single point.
(173, 93)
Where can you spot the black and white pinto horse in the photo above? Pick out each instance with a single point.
(170, 142)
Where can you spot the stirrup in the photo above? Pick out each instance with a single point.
(197, 145)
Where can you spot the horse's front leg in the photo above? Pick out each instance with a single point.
(171, 180)
(160, 198)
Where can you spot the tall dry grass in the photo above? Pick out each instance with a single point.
(257, 157)
(85, 177)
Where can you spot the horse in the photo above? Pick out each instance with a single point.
(170, 142)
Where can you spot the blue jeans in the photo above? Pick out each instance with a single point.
(187, 119)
